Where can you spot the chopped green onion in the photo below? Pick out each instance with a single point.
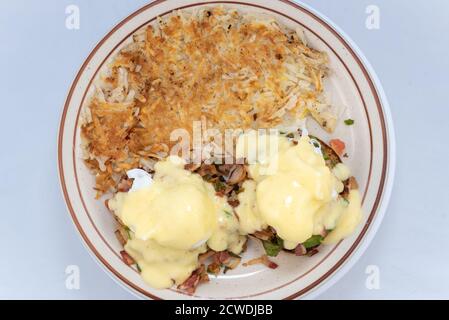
(240, 190)
(273, 247)
(349, 122)
(138, 268)
(229, 214)
(315, 143)
(313, 241)
(219, 186)
(128, 232)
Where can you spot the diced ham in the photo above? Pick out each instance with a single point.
(198, 276)
(127, 258)
(300, 250)
(120, 238)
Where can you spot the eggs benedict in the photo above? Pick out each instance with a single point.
(294, 192)
(172, 219)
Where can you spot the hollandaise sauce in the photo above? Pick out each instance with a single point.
(173, 220)
(294, 192)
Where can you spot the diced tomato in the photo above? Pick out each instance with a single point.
(338, 146)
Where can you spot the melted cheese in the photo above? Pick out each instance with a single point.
(171, 220)
(296, 193)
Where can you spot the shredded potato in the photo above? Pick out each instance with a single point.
(230, 69)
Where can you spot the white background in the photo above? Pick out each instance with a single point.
(39, 58)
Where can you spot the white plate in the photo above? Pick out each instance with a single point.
(352, 86)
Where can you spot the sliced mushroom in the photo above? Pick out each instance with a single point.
(225, 168)
(192, 166)
(236, 174)
(214, 268)
(266, 234)
(232, 262)
(207, 169)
